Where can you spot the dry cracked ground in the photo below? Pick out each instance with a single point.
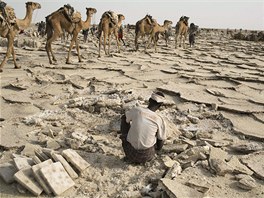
(214, 111)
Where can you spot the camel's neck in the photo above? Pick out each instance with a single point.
(119, 23)
(25, 23)
(165, 26)
(86, 24)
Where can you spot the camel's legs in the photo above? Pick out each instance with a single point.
(14, 58)
(176, 40)
(155, 45)
(109, 43)
(105, 35)
(136, 41)
(183, 41)
(117, 41)
(49, 48)
(10, 40)
(52, 36)
(74, 40)
(78, 50)
(180, 40)
(69, 52)
(100, 43)
(148, 42)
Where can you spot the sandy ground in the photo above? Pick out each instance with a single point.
(214, 96)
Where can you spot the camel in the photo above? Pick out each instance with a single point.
(156, 30)
(181, 31)
(143, 27)
(9, 31)
(109, 24)
(64, 19)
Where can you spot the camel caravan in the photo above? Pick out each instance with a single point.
(66, 20)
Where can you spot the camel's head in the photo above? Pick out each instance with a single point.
(33, 5)
(121, 17)
(168, 23)
(90, 11)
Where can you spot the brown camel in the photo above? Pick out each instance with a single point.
(64, 19)
(9, 31)
(109, 24)
(156, 30)
(181, 31)
(143, 27)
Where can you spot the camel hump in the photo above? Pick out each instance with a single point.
(76, 17)
(184, 19)
(112, 16)
(150, 20)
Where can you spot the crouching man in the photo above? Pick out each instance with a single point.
(143, 131)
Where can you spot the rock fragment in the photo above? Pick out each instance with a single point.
(7, 171)
(66, 165)
(26, 179)
(247, 183)
(75, 159)
(36, 173)
(175, 189)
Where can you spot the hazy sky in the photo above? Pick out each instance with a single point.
(245, 14)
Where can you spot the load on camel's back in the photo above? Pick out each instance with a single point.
(7, 14)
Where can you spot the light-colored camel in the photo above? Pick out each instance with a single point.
(109, 24)
(181, 31)
(10, 31)
(59, 21)
(156, 30)
(143, 27)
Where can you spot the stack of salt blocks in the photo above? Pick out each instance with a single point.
(47, 171)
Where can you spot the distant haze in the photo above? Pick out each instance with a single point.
(233, 14)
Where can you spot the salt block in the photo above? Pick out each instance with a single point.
(26, 179)
(57, 178)
(36, 173)
(22, 162)
(36, 159)
(48, 151)
(42, 156)
(7, 171)
(177, 190)
(66, 165)
(75, 159)
(29, 150)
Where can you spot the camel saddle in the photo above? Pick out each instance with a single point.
(76, 17)
(7, 14)
(112, 16)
